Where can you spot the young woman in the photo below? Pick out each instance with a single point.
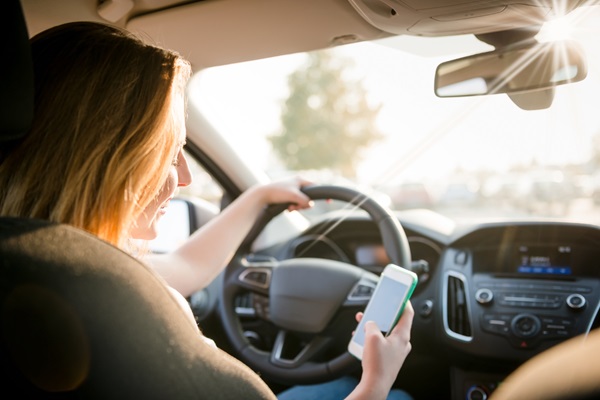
(104, 154)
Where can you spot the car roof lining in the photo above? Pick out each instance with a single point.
(241, 38)
(227, 35)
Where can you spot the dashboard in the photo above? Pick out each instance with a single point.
(512, 290)
(490, 295)
(357, 241)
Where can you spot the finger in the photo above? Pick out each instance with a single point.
(299, 199)
(302, 204)
(371, 329)
(304, 182)
(405, 322)
(359, 316)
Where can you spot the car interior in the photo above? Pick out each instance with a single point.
(505, 308)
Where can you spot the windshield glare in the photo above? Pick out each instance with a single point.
(461, 157)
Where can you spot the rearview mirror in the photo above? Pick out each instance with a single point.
(514, 69)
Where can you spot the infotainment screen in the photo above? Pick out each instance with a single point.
(543, 260)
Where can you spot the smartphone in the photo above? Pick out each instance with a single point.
(395, 286)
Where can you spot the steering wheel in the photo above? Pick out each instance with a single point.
(301, 295)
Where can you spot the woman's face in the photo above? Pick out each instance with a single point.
(179, 175)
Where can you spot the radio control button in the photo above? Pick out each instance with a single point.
(477, 392)
(484, 296)
(525, 325)
(576, 301)
(497, 323)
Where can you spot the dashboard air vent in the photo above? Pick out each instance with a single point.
(457, 321)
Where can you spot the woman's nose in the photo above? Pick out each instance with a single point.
(183, 171)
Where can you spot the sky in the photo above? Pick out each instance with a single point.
(243, 101)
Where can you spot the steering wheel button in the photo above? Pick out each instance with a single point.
(257, 277)
(364, 290)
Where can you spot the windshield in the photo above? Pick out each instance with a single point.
(365, 114)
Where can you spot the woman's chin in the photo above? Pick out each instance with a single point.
(145, 233)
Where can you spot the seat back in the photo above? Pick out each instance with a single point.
(568, 371)
(80, 318)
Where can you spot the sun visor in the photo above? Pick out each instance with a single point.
(448, 17)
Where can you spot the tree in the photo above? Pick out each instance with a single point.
(326, 120)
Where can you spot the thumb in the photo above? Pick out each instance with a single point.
(371, 328)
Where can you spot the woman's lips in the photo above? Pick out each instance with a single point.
(163, 208)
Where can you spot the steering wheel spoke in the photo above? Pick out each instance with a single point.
(361, 292)
(289, 352)
(251, 274)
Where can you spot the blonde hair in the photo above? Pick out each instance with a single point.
(105, 130)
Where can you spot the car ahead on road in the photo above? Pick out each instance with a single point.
(421, 91)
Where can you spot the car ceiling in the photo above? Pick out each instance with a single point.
(218, 32)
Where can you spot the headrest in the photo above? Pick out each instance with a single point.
(16, 73)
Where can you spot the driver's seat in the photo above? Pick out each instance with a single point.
(79, 318)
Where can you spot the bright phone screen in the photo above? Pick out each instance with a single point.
(383, 308)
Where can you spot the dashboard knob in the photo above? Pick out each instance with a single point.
(576, 301)
(484, 296)
(525, 325)
(426, 308)
(477, 392)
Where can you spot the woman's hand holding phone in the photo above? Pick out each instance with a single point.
(383, 356)
(394, 288)
(382, 338)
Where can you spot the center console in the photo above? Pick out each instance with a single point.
(505, 303)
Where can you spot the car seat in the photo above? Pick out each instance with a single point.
(570, 370)
(80, 318)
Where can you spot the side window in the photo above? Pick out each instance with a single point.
(203, 195)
